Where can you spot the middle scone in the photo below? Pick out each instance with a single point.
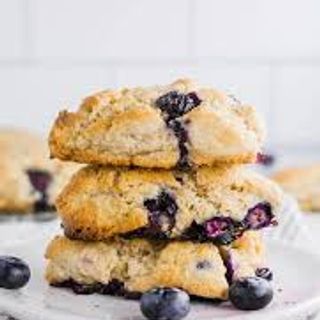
(209, 204)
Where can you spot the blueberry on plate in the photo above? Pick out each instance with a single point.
(14, 273)
(165, 304)
(250, 293)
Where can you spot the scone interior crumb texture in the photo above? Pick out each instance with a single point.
(159, 126)
(303, 183)
(100, 202)
(139, 264)
(29, 180)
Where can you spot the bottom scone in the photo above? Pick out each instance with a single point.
(131, 267)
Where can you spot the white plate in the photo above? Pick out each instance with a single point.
(297, 293)
(15, 229)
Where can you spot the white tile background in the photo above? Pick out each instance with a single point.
(266, 52)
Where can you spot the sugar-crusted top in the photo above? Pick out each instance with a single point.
(126, 127)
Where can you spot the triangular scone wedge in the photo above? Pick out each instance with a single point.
(175, 125)
(131, 267)
(211, 204)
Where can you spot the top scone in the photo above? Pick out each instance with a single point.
(177, 125)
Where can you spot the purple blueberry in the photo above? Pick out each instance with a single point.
(182, 136)
(39, 179)
(205, 264)
(229, 267)
(217, 226)
(250, 293)
(164, 206)
(165, 304)
(174, 104)
(265, 159)
(260, 216)
(14, 273)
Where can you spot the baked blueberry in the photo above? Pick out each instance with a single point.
(265, 159)
(162, 211)
(222, 229)
(14, 273)
(114, 287)
(218, 226)
(39, 179)
(260, 216)
(165, 304)
(229, 267)
(264, 273)
(250, 293)
(84, 288)
(218, 230)
(182, 136)
(174, 104)
(203, 265)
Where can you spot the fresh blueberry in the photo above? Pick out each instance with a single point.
(264, 273)
(165, 304)
(260, 216)
(250, 293)
(14, 273)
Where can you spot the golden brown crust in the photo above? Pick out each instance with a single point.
(142, 264)
(124, 128)
(21, 151)
(100, 202)
(303, 183)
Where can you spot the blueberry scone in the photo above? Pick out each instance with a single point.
(131, 267)
(30, 182)
(214, 204)
(177, 125)
(303, 183)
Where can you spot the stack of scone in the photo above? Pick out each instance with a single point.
(165, 200)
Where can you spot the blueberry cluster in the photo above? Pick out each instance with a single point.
(218, 230)
(173, 106)
(162, 211)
